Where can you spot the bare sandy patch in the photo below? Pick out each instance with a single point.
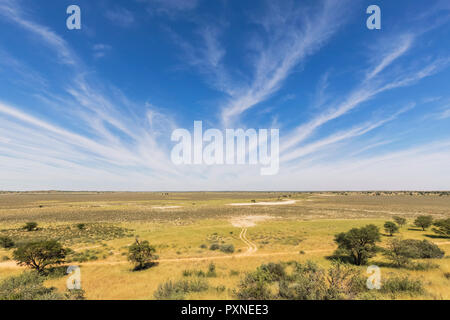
(167, 207)
(268, 203)
(248, 221)
(9, 264)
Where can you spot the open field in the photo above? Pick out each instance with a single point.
(183, 226)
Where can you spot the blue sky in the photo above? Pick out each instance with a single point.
(93, 109)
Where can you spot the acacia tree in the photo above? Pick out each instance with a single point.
(390, 227)
(442, 227)
(142, 254)
(423, 222)
(40, 255)
(359, 243)
(400, 221)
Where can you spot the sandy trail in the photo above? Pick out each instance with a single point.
(252, 248)
(166, 207)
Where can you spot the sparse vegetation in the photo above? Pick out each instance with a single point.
(112, 221)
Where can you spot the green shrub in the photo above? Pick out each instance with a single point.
(211, 271)
(6, 242)
(27, 286)
(214, 246)
(220, 288)
(403, 284)
(423, 266)
(81, 226)
(306, 282)
(227, 248)
(272, 271)
(177, 290)
(253, 287)
(400, 252)
(30, 226)
(422, 249)
(442, 227)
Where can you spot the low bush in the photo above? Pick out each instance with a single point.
(27, 286)
(177, 290)
(227, 248)
(400, 252)
(305, 282)
(403, 284)
(6, 242)
(442, 227)
(30, 226)
(211, 271)
(214, 247)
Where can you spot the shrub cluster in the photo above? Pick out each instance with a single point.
(177, 290)
(304, 282)
(30, 286)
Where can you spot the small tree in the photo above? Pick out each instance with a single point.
(40, 255)
(30, 226)
(423, 222)
(442, 227)
(142, 254)
(400, 221)
(6, 242)
(359, 243)
(390, 227)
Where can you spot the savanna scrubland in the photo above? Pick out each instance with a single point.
(228, 245)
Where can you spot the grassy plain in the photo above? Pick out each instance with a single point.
(182, 226)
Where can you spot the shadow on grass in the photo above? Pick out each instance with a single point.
(145, 266)
(55, 272)
(415, 229)
(436, 236)
(340, 258)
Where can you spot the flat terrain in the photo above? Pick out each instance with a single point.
(262, 226)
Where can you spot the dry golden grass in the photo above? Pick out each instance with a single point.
(308, 226)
